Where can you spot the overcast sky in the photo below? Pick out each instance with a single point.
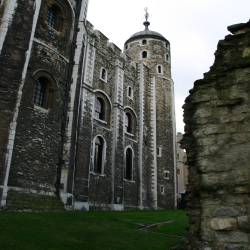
(193, 28)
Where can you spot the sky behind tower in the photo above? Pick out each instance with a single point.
(193, 28)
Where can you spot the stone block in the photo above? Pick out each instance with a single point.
(210, 129)
(225, 212)
(231, 236)
(244, 223)
(235, 247)
(223, 224)
(202, 113)
(223, 139)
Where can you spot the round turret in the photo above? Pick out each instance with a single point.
(152, 48)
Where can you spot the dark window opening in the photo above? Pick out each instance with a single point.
(158, 151)
(128, 123)
(39, 93)
(99, 109)
(98, 155)
(159, 69)
(167, 174)
(178, 171)
(126, 46)
(103, 76)
(167, 57)
(51, 17)
(144, 42)
(166, 45)
(162, 189)
(129, 91)
(128, 174)
(144, 54)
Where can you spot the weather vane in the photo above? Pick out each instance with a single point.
(146, 15)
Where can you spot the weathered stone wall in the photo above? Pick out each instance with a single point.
(216, 138)
(159, 121)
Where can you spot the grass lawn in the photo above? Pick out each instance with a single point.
(87, 230)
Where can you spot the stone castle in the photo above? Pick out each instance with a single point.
(80, 120)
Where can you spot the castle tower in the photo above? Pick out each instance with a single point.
(158, 116)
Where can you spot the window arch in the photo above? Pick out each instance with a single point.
(99, 108)
(144, 42)
(45, 90)
(144, 54)
(129, 157)
(103, 74)
(55, 15)
(98, 155)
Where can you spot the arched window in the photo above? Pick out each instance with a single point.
(129, 164)
(98, 155)
(39, 92)
(103, 74)
(159, 69)
(144, 54)
(128, 122)
(55, 16)
(51, 17)
(144, 42)
(44, 93)
(99, 108)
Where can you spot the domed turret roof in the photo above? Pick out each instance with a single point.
(146, 34)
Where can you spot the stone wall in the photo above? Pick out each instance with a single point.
(217, 140)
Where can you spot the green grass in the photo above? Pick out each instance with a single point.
(85, 230)
(177, 227)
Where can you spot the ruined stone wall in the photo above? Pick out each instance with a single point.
(216, 138)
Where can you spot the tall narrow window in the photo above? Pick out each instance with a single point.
(126, 47)
(128, 123)
(159, 69)
(144, 42)
(167, 57)
(130, 92)
(103, 74)
(39, 93)
(128, 171)
(99, 109)
(51, 17)
(98, 155)
(144, 54)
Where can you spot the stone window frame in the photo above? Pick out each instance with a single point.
(167, 57)
(134, 120)
(106, 74)
(159, 151)
(132, 93)
(106, 121)
(157, 69)
(126, 47)
(166, 174)
(104, 158)
(51, 91)
(132, 167)
(166, 45)
(142, 54)
(162, 189)
(61, 15)
(145, 43)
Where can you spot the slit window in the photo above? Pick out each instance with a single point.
(144, 54)
(159, 151)
(159, 69)
(130, 92)
(128, 170)
(98, 155)
(167, 57)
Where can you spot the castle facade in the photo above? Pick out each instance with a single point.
(80, 119)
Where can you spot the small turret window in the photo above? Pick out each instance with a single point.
(144, 54)
(144, 42)
(126, 47)
(159, 69)
(167, 57)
